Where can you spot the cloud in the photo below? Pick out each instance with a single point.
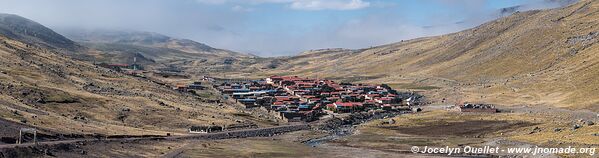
(239, 8)
(212, 1)
(297, 4)
(329, 4)
(263, 27)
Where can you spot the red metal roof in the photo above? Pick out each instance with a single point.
(331, 105)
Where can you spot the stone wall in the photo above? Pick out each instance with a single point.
(47, 149)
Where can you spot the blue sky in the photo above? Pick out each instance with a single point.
(272, 27)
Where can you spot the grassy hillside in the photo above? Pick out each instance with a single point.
(156, 51)
(48, 90)
(546, 57)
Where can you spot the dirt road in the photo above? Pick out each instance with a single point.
(209, 136)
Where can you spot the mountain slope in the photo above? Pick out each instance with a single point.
(50, 91)
(155, 46)
(536, 57)
(30, 32)
(137, 38)
(153, 51)
(158, 52)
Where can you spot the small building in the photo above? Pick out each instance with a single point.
(248, 102)
(274, 79)
(196, 86)
(305, 107)
(248, 94)
(278, 106)
(386, 107)
(296, 116)
(231, 91)
(181, 87)
(292, 116)
(486, 108)
(385, 100)
(345, 107)
(205, 129)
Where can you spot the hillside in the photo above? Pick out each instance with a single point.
(115, 46)
(149, 39)
(541, 57)
(151, 50)
(56, 94)
(30, 32)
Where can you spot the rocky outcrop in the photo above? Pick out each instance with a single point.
(353, 119)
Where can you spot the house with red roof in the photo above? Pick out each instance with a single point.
(385, 100)
(371, 96)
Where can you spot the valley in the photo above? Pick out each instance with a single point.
(525, 80)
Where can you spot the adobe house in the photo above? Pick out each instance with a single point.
(292, 116)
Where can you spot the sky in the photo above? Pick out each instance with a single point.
(272, 27)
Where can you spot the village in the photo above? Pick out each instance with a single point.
(299, 99)
(304, 99)
(295, 98)
(299, 78)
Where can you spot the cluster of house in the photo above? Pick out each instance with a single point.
(304, 99)
(468, 107)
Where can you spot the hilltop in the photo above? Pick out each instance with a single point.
(31, 32)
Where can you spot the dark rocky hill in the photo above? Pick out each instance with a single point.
(31, 32)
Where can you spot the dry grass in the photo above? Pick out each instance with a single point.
(524, 58)
(250, 148)
(446, 128)
(78, 97)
